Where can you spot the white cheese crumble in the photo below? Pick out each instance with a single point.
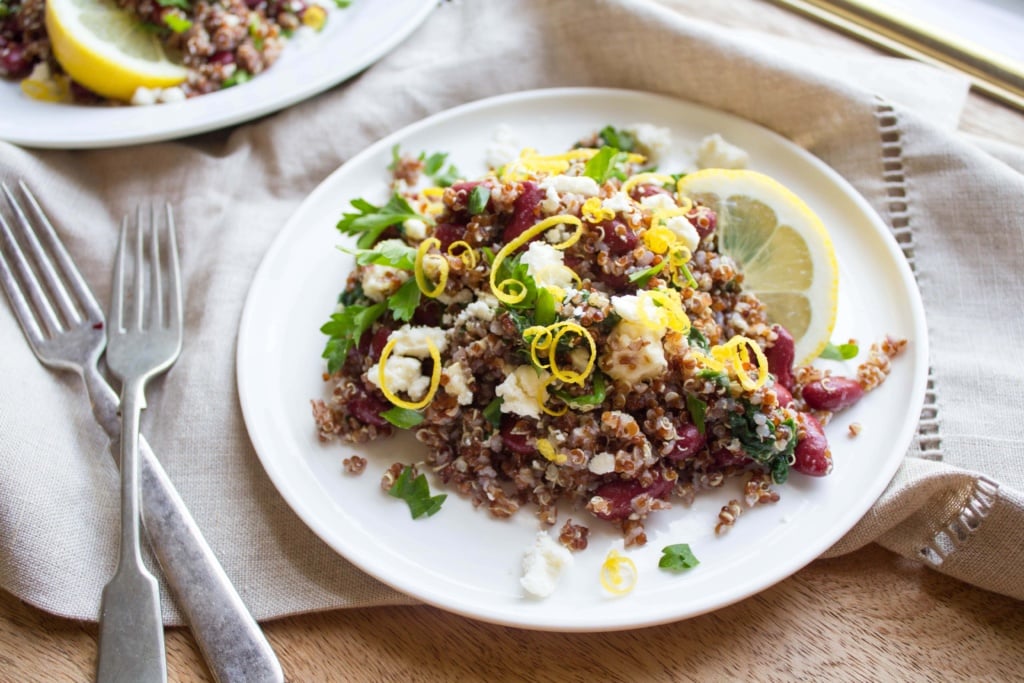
(546, 265)
(618, 202)
(653, 141)
(715, 152)
(456, 383)
(503, 148)
(628, 307)
(523, 391)
(543, 563)
(401, 373)
(685, 231)
(658, 202)
(582, 185)
(480, 310)
(379, 282)
(412, 341)
(634, 353)
(551, 202)
(415, 229)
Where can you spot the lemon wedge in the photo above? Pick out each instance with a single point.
(107, 49)
(781, 247)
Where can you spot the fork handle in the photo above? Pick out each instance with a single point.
(231, 641)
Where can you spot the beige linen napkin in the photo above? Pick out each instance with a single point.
(957, 503)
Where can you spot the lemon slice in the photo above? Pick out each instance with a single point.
(782, 248)
(107, 49)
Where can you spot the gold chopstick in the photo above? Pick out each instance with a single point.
(992, 74)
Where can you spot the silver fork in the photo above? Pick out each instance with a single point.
(64, 326)
(144, 339)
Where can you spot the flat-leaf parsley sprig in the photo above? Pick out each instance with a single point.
(371, 220)
(416, 493)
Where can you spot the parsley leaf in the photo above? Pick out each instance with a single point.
(544, 313)
(620, 139)
(840, 352)
(607, 163)
(345, 329)
(343, 4)
(642, 276)
(697, 408)
(493, 411)
(389, 253)
(416, 493)
(177, 23)
(240, 76)
(434, 169)
(478, 199)
(697, 338)
(677, 557)
(182, 4)
(372, 220)
(594, 398)
(403, 418)
(403, 303)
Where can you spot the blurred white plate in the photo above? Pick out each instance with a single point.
(463, 560)
(353, 39)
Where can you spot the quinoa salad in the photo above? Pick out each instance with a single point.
(565, 339)
(222, 43)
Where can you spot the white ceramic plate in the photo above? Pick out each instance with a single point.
(353, 39)
(463, 560)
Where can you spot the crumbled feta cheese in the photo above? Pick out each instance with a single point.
(582, 185)
(627, 307)
(618, 202)
(503, 148)
(715, 152)
(412, 341)
(456, 383)
(557, 234)
(401, 373)
(543, 563)
(379, 282)
(523, 391)
(546, 265)
(685, 231)
(145, 96)
(463, 296)
(634, 353)
(658, 202)
(551, 202)
(415, 229)
(479, 310)
(652, 141)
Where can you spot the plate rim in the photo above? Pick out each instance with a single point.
(842, 525)
(21, 131)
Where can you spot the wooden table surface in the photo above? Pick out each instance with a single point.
(871, 615)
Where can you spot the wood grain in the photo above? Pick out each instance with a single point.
(870, 615)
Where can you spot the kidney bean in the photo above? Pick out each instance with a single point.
(703, 219)
(647, 190)
(428, 313)
(222, 57)
(446, 233)
(13, 62)
(378, 342)
(783, 394)
(780, 357)
(367, 409)
(514, 441)
(620, 495)
(688, 443)
(620, 238)
(812, 455)
(523, 216)
(726, 458)
(832, 393)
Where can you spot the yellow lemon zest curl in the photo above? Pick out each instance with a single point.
(545, 338)
(435, 376)
(418, 271)
(646, 179)
(518, 293)
(618, 573)
(464, 251)
(668, 307)
(531, 161)
(736, 353)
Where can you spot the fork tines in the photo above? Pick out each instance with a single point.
(128, 304)
(45, 289)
